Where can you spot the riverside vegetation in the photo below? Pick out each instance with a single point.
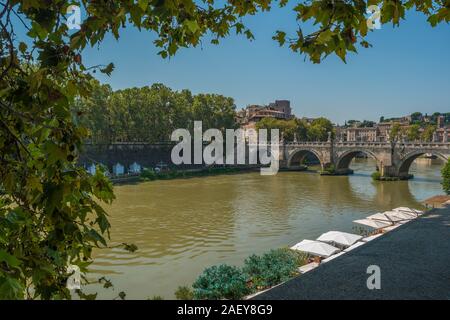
(258, 273)
(150, 174)
(50, 213)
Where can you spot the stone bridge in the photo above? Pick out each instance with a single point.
(392, 159)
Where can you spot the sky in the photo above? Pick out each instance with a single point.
(406, 70)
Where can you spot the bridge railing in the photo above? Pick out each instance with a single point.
(367, 144)
(308, 143)
(421, 145)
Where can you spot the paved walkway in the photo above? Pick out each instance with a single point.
(414, 260)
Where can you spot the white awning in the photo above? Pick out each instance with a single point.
(401, 215)
(376, 224)
(315, 248)
(339, 238)
(384, 218)
(408, 210)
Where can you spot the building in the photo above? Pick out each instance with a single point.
(363, 134)
(443, 134)
(441, 121)
(252, 114)
(283, 106)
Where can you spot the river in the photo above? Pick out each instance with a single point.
(182, 226)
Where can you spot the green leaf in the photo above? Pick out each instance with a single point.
(280, 36)
(108, 69)
(22, 47)
(12, 261)
(143, 4)
(192, 25)
(11, 289)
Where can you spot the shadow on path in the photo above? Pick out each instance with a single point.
(414, 260)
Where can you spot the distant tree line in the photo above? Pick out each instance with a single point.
(152, 113)
(413, 132)
(149, 114)
(317, 130)
(421, 119)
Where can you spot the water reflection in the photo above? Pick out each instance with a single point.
(182, 226)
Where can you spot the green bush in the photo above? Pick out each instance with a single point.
(446, 178)
(184, 293)
(148, 174)
(376, 176)
(221, 282)
(271, 268)
(329, 169)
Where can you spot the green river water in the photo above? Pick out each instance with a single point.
(182, 226)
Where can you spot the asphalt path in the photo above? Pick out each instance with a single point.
(413, 260)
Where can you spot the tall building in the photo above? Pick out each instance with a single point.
(440, 121)
(280, 109)
(283, 106)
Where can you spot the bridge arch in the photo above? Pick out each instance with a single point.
(408, 159)
(344, 160)
(297, 156)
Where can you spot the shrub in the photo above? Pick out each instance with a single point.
(148, 174)
(446, 178)
(376, 175)
(271, 268)
(219, 282)
(329, 169)
(184, 293)
(301, 258)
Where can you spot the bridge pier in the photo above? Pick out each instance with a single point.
(393, 160)
(344, 172)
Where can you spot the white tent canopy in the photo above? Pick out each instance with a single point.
(400, 215)
(385, 218)
(408, 210)
(339, 238)
(376, 224)
(315, 248)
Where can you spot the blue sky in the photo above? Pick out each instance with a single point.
(407, 70)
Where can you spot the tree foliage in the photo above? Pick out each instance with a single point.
(150, 114)
(413, 132)
(428, 132)
(221, 282)
(341, 25)
(396, 131)
(50, 213)
(317, 130)
(446, 178)
(271, 268)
